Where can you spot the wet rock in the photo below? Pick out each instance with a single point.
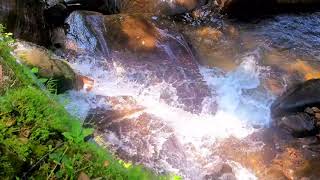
(275, 155)
(297, 98)
(214, 47)
(49, 65)
(25, 19)
(148, 50)
(58, 37)
(55, 13)
(309, 111)
(299, 125)
(158, 7)
(315, 109)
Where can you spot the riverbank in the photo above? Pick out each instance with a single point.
(39, 139)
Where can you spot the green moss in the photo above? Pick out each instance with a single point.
(35, 129)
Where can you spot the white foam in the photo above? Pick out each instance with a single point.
(241, 102)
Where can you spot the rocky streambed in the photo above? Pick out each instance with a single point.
(179, 87)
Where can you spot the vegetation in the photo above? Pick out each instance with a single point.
(40, 140)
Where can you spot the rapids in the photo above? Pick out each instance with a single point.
(163, 136)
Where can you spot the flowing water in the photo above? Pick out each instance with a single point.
(159, 133)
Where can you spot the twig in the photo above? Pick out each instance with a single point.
(38, 162)
(57, 164)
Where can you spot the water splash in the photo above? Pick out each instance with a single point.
(242, 104)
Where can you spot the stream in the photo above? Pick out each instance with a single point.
(190, 98)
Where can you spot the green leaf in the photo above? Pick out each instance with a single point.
(43, 80)
(87, 132)
(35, 70)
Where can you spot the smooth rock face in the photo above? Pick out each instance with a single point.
(48, 65)
(159, 7)
(25, 19)
(149, 52)
(297, 98)
(299, 125)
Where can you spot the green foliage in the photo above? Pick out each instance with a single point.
(37, 132)
(40, 140)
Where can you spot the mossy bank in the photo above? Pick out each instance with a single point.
(40, 140)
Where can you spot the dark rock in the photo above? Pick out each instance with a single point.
(25, 19)
(158, 7)
(297, 98)
(256, 6)
(309, 111)
(56, 15)
(315, 109)
(103, 6)
(149, 50)
(299, 125)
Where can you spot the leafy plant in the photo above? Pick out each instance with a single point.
(39, 139)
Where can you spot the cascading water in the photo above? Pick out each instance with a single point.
(242, 105)
(152, 103)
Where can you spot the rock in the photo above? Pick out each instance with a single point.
(49, 66)
(213, 47)
(275, 155)
(150, 51)
(299, 125)
(315, 109)
(309, 111)
(58, 37)
(297, 98)
(56, 13)
(25, 19)
(158, 7)
(317, 115)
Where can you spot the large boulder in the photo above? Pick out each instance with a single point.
(49, 66)
(25, 19)
(149, 51)
(297, 98)
(299, 125)
(159, 7)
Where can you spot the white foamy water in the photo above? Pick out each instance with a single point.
(242, 104)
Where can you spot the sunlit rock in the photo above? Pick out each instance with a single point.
(214, 47)
(274, 154)
(139, 47)
(49, 66)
